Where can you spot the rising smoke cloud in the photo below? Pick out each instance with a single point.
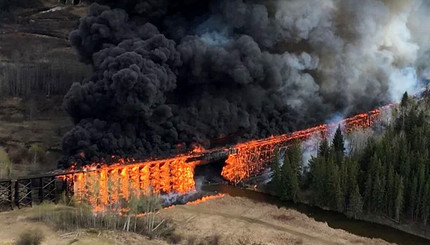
(169, 72)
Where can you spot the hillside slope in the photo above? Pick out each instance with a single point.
(37, 67)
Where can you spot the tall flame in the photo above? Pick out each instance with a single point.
(103, 186)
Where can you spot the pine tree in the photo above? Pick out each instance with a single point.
(412, 197)
(421, 188)
(275, 184)
(293, 184)
(368, 193)
(377, 193)
(398, 204)
(332, 189)
(318, 172)
(390, 190)
(425, 205)
(340, 197)
(294, 153)
(404, 102)
(355, 205)
(404, 105)
(285, 169)
(352, 176)
(324, 149)
(289, 181)
(338, 141)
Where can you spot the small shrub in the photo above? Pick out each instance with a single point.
(18, 154)
(36, 153)
(191, 240)
(173, 238)
(30, 237)
(5, 164)
(211, 240)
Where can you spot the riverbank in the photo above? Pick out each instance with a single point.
(239, 220)
(412, 228)
(335, 220)
(223, 221)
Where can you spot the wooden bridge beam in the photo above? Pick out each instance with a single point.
(6, 196)
(23, 196)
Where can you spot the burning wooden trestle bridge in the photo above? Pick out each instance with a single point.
(107, 186)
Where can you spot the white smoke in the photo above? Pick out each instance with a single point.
(309, 150)
(404, 80)
(364, 47)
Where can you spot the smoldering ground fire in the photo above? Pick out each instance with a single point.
(169, 72)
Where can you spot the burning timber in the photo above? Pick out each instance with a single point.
(105, 185)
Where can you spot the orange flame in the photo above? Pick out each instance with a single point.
(111, 185)
(200, 200)
(198, 148)
(206, 198)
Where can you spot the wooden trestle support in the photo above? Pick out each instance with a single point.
(6, 195)
(26, 192)
(110, 186)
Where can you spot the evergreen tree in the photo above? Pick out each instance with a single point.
(404, 105)
(290, 185)
(318, 172)
(368, 193)
(412, 197)
(355, 205)
(377, 194)
(275, 184)
(398, 204)
(324, 149)
(338, 141)
(390, 190)
(404, 102)
(425, 205)
(332, 189)
(421, 188)
(294, 153)
(339, 197)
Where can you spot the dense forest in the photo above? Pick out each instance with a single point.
(389, 177)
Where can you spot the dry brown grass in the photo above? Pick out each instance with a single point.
(237, 221)
(74, 217)
(225, 221)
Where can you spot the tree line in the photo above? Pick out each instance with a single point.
(22, 79)
(389, 177)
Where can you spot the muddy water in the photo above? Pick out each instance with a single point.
(333, 219)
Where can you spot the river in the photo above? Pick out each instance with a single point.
(334, 220)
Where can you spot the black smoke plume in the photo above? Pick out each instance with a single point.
(194, 71)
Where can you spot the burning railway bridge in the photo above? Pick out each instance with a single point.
(105, 186)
